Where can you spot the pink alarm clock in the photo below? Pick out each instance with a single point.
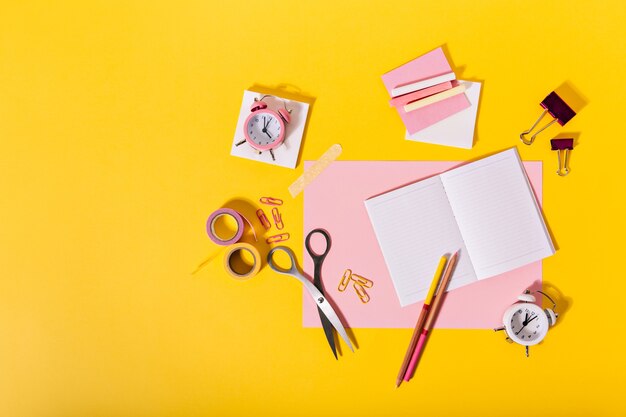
(264, 129)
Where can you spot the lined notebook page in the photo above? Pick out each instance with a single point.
(415, 226)
(497, 214)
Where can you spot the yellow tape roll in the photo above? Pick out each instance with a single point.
(237, 247)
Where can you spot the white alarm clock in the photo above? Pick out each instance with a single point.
(526, 323)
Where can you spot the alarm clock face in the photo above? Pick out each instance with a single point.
(264, 130)
(526, 323)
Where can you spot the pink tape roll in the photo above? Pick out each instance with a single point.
(210, 226)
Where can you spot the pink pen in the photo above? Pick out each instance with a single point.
(430, 321)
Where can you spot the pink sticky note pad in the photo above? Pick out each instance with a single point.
(334, 201)
(429, 65)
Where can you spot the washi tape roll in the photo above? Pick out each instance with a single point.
(227, 240)
(254, 268)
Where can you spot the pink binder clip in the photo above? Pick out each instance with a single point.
(565, 146)
(557, 108)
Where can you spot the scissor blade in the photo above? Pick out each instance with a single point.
(328, 328)
(328, 311)
(328, 331)
(334, 320)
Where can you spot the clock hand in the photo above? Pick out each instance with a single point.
(525, 323)
(268, 133)
(264, 124)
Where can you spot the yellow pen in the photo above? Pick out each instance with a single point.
(421, 320)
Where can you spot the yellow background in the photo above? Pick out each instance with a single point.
(116, 121)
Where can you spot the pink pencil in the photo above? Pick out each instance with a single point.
(420, 321)
(431, 317)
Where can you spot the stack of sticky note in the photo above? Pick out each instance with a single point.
(434, 106)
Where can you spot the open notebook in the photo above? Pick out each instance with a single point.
(485, 208)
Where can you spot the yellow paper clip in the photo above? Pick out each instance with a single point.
(345, 280)
(278, 238)
(263, 219)
(271, 201)
(362, 280)
(278, 219)
(360, 291)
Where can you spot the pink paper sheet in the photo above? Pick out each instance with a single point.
(334, 201)
(429, 65)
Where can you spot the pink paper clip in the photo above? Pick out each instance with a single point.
(345, 280)
(263, 219)
(278, 219)
(278, 238)
(271, 201)
(360, 291)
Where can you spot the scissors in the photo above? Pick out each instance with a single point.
(327, 314)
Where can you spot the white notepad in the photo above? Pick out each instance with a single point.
(487, 209)
(456, 130)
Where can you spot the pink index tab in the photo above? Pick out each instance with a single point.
(558, 108)
(417, 95)
(420, 85)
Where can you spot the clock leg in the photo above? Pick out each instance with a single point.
(526, 351)
(497, 329)
(272, 153)
(240, 143)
